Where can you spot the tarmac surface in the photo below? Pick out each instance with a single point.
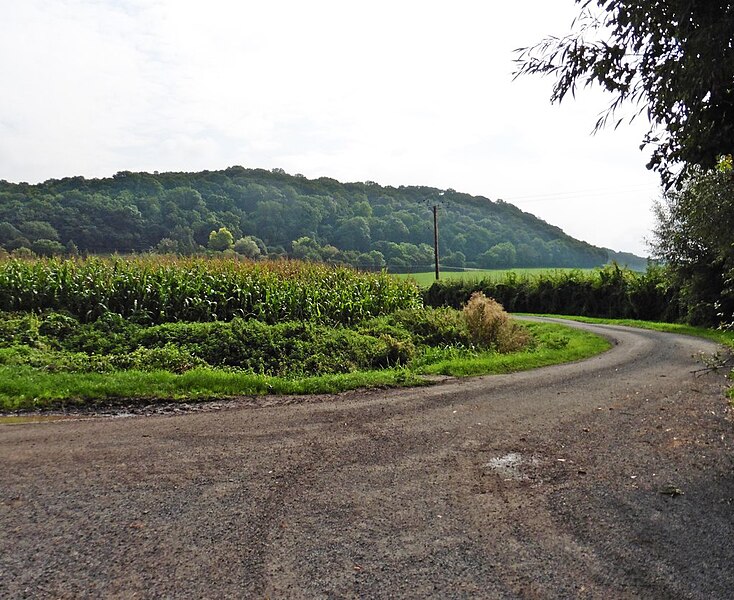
(607, 478)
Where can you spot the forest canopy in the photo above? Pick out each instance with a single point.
(271, 213)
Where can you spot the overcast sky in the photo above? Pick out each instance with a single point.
(401, 92)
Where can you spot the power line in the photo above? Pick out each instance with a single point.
(581, 194)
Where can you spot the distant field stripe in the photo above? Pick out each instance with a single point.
(426, 279)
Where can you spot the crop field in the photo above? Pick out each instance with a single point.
(88, 330)
(166, 289)
(426, 279)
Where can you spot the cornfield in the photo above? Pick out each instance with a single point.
(167, 289)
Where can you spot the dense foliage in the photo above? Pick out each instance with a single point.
(158, 290)
(610, 292)
(57, 342)
(673, 58)
(694, 236)
(284, 320)
(256, 213)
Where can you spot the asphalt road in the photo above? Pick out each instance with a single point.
(608, 478)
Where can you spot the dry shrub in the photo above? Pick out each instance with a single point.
(491, 327)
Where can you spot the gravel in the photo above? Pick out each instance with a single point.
(396, 493)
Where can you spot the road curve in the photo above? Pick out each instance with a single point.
(607, 478)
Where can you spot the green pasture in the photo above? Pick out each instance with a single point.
(426, 279)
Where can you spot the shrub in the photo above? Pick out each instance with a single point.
(110, 334)
(58, 325)
(490, 326)
(342, 350)
(293, 347)
(166, 358)
(17, 328)
(609, 292)
(54, 361)
(432, 326)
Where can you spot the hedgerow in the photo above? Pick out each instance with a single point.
(610, 292)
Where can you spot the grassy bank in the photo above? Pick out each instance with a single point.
(25, 388)
(555, 345)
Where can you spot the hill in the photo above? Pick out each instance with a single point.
(273, 213)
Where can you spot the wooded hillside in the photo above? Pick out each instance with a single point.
(273, 213)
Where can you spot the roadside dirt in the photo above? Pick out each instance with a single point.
(608, 478)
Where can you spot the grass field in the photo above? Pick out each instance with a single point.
(426, 279)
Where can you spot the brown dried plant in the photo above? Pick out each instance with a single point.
(490, 326)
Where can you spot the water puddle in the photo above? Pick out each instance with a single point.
(511, 466)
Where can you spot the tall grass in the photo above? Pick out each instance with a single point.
(166, 289)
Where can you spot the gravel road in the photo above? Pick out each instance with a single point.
(608, 478)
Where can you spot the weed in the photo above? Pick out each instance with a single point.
(490, 326)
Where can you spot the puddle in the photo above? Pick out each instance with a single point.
(510, 466)
(23, 419)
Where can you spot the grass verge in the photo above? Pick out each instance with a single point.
(26, 388)
(556, 344)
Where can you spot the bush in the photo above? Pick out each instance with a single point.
(343, 350)
(53, 361)
(489, 325)
(166, 358)
(110, 334)
(58, 325)
(608, 292)
(19, 328)
(293, 347)
(432, 326)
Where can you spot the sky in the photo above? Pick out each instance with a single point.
(400, 92)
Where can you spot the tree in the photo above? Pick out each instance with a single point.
(8, 232)
(47, 247)
(499, 256)
(306, 248)
(672, 58)
(221, 240)
(71, 248)
(354, 234)
(246, 246)
(184, 238)
(694, 237)
(166, 246)
(39, 230)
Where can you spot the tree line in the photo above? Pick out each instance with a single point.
(258, 213)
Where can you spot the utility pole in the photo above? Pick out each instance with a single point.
(435, 236)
